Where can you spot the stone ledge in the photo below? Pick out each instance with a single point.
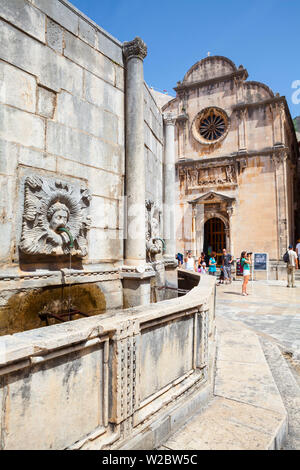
(289, 390)
(11, 279)
(21, 346)
(136, 272)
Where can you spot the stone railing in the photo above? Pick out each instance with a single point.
(120, 380)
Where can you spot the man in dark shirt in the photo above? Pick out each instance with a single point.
(226, 263)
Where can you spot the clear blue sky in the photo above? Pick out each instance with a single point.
(262, 35)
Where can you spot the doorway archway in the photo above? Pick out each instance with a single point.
(214, 237)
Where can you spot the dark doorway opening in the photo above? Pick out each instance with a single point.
(214, 237)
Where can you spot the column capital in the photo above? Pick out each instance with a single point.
(135, 48)
(169, 119)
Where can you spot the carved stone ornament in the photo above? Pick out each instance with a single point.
(153, 244)
(198, 177)
(135, 48)
(278, 159)
(51, 205)
(169, 119)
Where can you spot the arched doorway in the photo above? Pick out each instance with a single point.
(214, 237)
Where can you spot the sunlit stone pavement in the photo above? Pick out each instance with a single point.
(270, 308)
(256, 397)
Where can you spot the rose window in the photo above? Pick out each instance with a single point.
(210, 126)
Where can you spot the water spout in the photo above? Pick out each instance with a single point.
(163, 242)
(62, 229)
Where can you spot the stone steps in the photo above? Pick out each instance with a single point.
(247, 411)
(289, 390)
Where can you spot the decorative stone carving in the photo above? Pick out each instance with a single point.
(194, 178)
(52, 205)
(278, 159)
(136, 48)
(153, 242)
(169, 119)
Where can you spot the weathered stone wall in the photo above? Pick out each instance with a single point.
(125, 380)
(62, 119)
(62, 113)
(256, 183)
(154, 185)
(153, 130)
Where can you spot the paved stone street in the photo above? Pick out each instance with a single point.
(271, 309)
(256, 397)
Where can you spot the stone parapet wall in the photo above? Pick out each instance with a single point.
(123, 380)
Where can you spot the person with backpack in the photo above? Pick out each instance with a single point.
(226, 264)
(291, 259)
(245, 262)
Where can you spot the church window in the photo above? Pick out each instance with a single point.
(210, 125)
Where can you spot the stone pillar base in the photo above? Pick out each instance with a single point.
(136, 285)
(277, 271)
(171, 278)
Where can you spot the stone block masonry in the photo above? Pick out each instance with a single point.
(24, 16)
(62, 111)
(62, 105)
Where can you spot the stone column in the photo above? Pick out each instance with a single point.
(169, 206)
(135, 273)
(278, 132)
(242, 130)
(135, 246)
(200, 228)
(279, 162)
(169, 187)
(229, 234)
(193, 235)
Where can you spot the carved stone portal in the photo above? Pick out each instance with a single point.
(51, 206)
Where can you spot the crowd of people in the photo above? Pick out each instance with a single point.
(207, 264)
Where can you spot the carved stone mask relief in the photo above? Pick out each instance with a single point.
(50, 207)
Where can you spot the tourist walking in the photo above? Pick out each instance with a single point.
(245, 262)
(298, 251)
(202, 269)
(222, 277)
(292, 264)
(190, 262)
(226, 263)
(201, 260)
(212, 265)
(179, 258)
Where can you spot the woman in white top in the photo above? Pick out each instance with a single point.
(190, 262)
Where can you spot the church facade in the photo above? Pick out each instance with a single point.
(236, 168)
